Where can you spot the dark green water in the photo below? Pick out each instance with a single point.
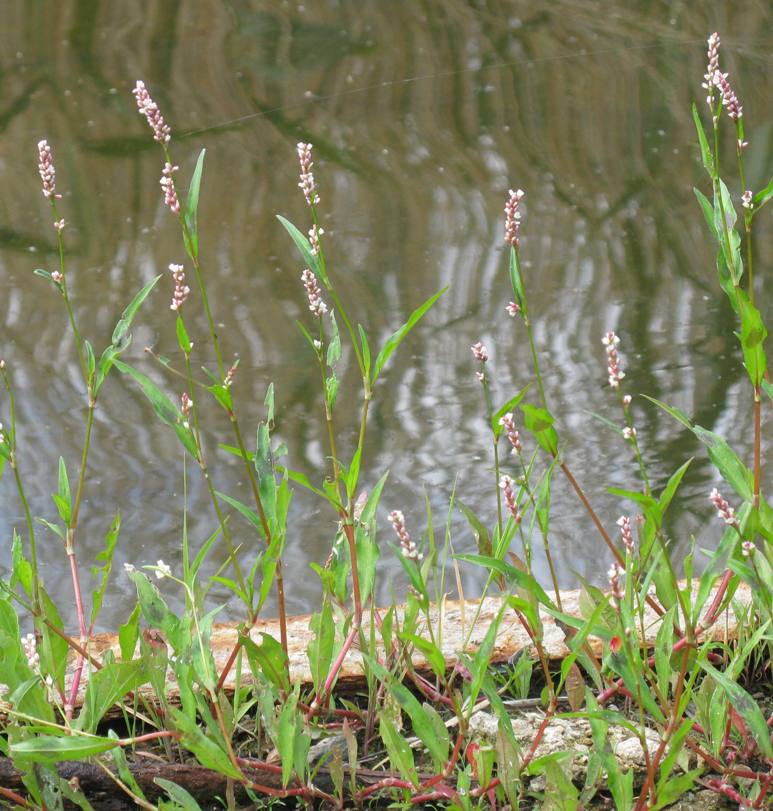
(422, 115)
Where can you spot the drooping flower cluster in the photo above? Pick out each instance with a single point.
(163, 570)
(729, 98)
(47, 171)
(506, 483)
(30, 646)
(614, 369)
(508, 423)
(186, 405)
(614, 574)
(316, 305)
(624, 522)
(167, 184)
(149, 109)
(513, 217)
(407, 546)
(306, 183)
(724, 510)
(479, 351)
(181, 289)
(712, 68)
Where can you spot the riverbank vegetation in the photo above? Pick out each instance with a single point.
(423, 727)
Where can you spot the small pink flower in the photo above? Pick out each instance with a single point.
(712, 68)
(407, 546)
(614, 368)
(307, 184)
(57, 276)
(316, 305)
(513, 217)
(614, 574)
(479, 352)
(506, 483)
(624, 522)
(729, 98)
(748, 549)
(181, 289)
(314, 234)
(746, 199)
(629, 432)
(724, 510)
(512, 309)
(508, 423)
(167, 184)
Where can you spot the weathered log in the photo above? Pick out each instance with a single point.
(461, 630)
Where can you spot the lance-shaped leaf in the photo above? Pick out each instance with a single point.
(398, 336)
(191, 209)
(304, 246)
(539, 423)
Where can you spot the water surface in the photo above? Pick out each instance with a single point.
(422, 115)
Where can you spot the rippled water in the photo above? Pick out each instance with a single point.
(422, 115)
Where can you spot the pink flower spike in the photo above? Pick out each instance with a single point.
(47, 171)
(506, 483)
(181, 289)
(624, 522)
(729, 98)
(307, 184)
(479, 352)
(614, 368)
(149, 109)
(407, 546)
(724, 510)
(513, 217)
(167, 184)
(316, 305)
(712, 67)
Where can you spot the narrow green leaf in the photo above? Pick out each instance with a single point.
(128, 633)
(397, 337)
(320, 649)
(762, 197)
(178, 794)
(539, 423)
(105, 687)
(511, 404)
(517, 282)
(125, 321)
(706, 156)
(365, 350)
(191, 208)
(303, 245)
(51, 748)
(163, 406)
(746, 707)
(64, 490)
(106, 558)
(182, 335)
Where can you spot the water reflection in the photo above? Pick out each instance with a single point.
(422, 116)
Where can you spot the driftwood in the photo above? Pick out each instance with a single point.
(454, 625)
(461, 630)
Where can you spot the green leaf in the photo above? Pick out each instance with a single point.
(320, 648)
(177, 793)
(706, 156)
(397, 337)
(125, 321)
(708, 211)
(246, 511)
(479, 530)
(543, 501)
(429, 651)
(512, 574)
(303, 245)
(65, 500)
(209, 753)
(182, 335)
(539, 422)
(53, 649)
(268, 657)
(745, 706)
(517, 282)
(733, 471)
(399, 752)
(762, 197)
(128, 634)
(51, 748)
(334, 344)
(105, 557)
(285, 738)
(753, 335)
(365, 350)
(168, 413)
(191, 208)
(105, 687)
(511, 404)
